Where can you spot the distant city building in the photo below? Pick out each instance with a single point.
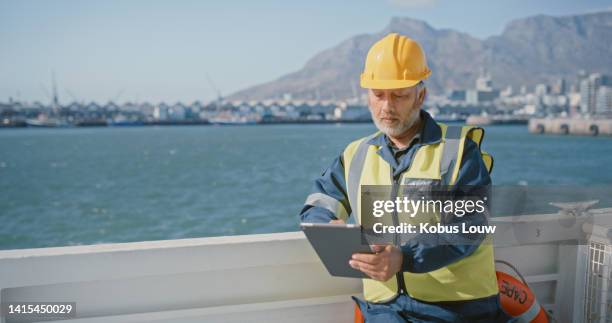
(484, 91)
(589, 87)
(541, 90)
(111, 106)
(478, 96)
(555, 100)
(574, 99)
(160, 112)
(177, 112)
(351, 112)
(457, 95)
(507, 92)
(560, 87)
(483, 82)
(603, 101)
(587, 95)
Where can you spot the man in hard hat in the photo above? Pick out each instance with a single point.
(413, 281)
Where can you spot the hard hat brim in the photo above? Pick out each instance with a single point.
(387, 85)
(367, 83)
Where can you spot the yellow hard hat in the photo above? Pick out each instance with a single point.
(394, 62)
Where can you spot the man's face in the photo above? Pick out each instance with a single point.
(397, 110)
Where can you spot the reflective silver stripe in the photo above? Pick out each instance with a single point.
(449, 153)
(327, 202)
(531, 313)
(354, 174)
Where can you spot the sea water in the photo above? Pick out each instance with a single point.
(98, 185)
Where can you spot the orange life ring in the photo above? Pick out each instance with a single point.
(358, 315)
(518, 301)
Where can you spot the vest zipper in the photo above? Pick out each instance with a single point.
(396, 238)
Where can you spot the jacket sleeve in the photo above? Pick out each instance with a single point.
(428, 252)
(328, 199)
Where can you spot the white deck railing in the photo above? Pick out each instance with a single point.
(256, 278)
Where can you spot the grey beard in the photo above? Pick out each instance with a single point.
(399, 129)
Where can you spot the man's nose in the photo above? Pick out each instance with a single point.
(388, 105)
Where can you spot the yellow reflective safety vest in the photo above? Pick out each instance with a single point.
(471, 277)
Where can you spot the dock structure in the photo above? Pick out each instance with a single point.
(279, 278)
(594, 126)
(486, 120)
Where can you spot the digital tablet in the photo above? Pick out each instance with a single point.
(335, 244)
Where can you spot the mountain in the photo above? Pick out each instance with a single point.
(529, 51)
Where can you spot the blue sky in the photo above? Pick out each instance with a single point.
(164, 50)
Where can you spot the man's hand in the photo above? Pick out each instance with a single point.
(337, 221)
(382, 265)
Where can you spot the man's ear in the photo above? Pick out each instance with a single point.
(422, 95)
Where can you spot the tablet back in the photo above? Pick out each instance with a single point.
(335, 244)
